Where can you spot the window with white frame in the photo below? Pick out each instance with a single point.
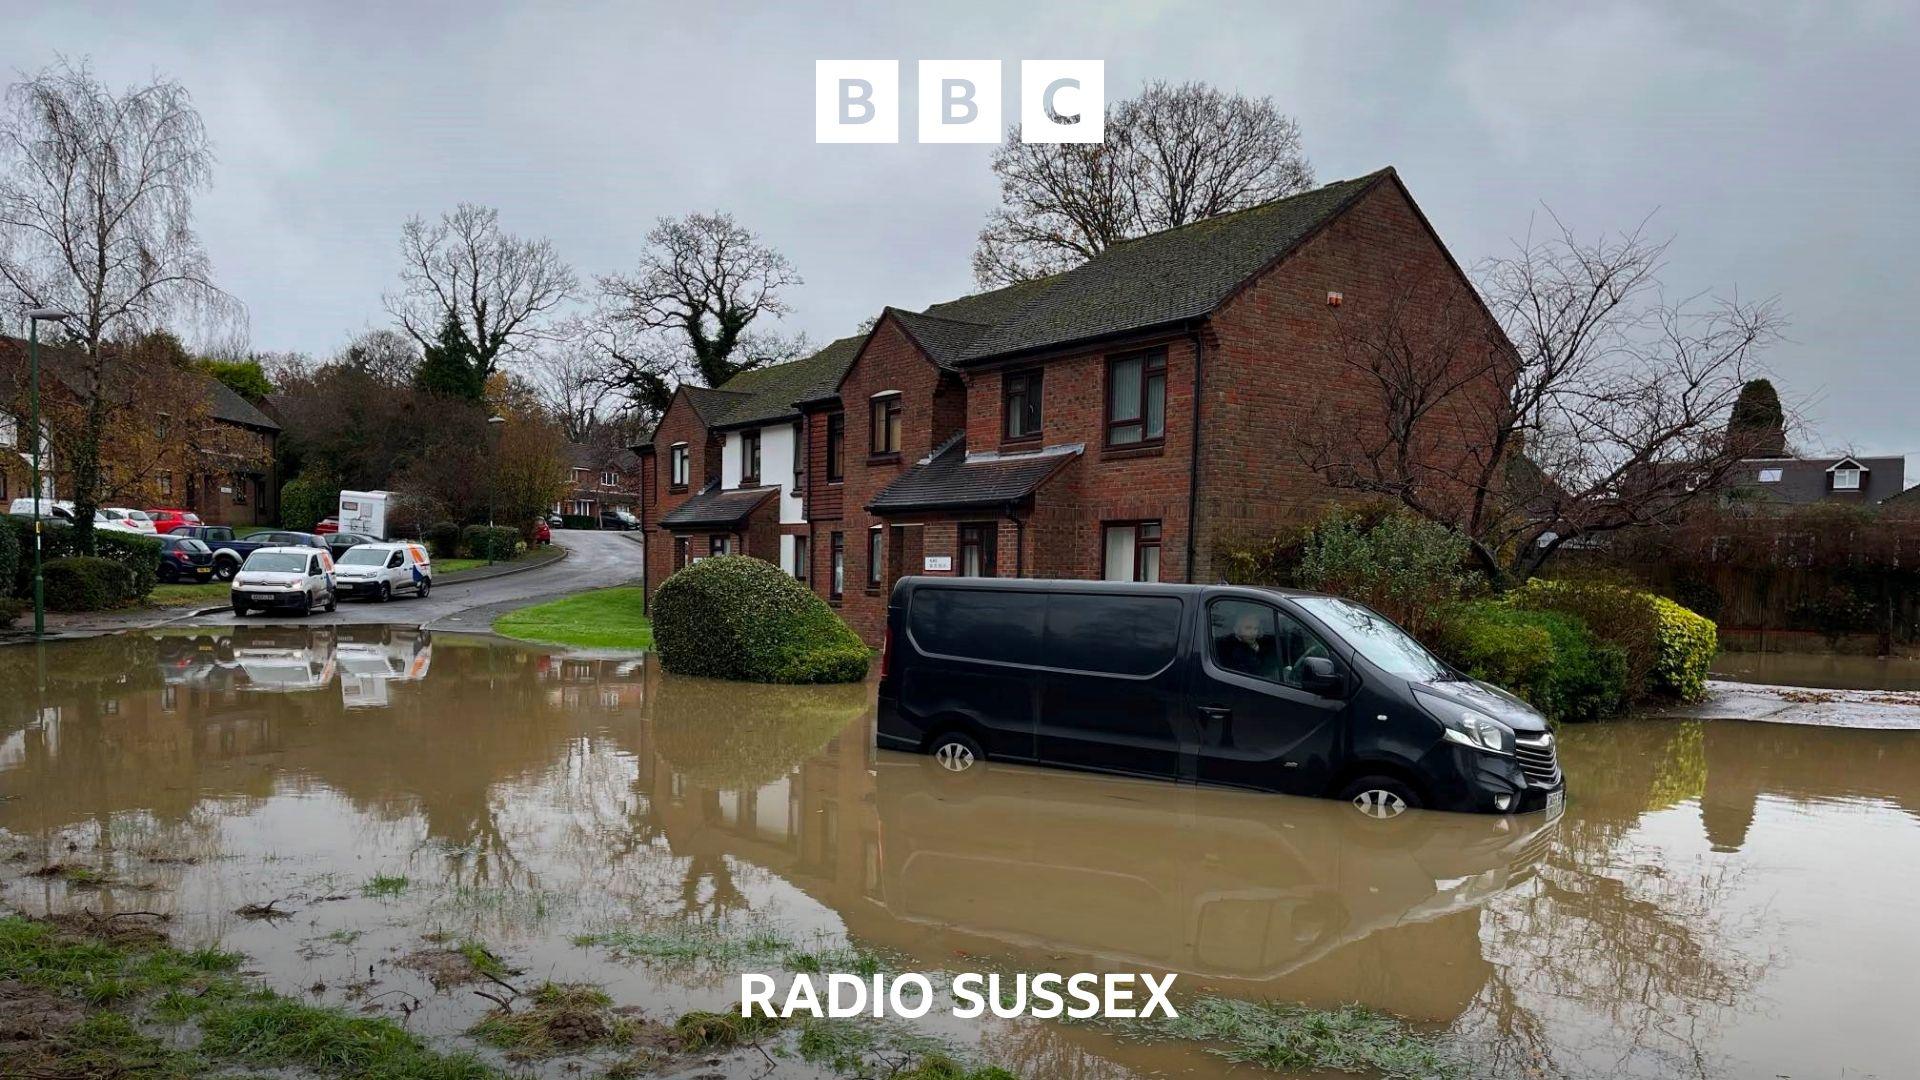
(1846, 479)
(607, 479)
(677, 465)
(1770, 476)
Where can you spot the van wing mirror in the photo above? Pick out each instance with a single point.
(1319, 675)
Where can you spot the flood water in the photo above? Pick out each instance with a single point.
(1719, 899)
(1823, 671)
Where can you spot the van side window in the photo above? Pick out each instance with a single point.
(978, 624)
(394, 560)
(313, 565)
(1253, 639)
(1111, 635)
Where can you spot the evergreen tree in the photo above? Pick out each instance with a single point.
(449, 367)
(1758, 422)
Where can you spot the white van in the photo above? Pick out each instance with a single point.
(296, 579)
(377, 571)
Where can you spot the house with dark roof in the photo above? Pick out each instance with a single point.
(1803, 481)
(1131, 418)
(722, 466)
(601, 479)
(224, 470)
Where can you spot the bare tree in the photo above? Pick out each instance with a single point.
(689, 310)
(501, 291)
(1173, 155)
(1588, 404)
(574, 386)
(96, 218)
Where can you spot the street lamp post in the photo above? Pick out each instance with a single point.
(35, 316)
(494, 423)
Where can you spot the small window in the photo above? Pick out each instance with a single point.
(313, 565)
(977, 544)
(750, 457)
(836, 447)
(607, 479)
(394, 562)
(1131, 551)
(838, 582)
(885, 427)
(1137, 398)
(1846, 479)
(1021, 391)
(876, 556)
(677, 466)
(1255, 640)
(1769, 476)
(717, 545)
(800, 558)
(680, 552)
(799, 455)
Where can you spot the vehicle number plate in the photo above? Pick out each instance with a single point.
(1555, 799)
(263, 596)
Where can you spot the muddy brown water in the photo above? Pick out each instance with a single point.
(1719, 899)
(1824, 671)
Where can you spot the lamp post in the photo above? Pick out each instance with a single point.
(494, 424)
(36, 316)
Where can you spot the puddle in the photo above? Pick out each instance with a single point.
(409, 818)
(1824, 671)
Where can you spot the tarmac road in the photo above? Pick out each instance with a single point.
(594, 560)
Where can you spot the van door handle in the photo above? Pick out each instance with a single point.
(1218, 713)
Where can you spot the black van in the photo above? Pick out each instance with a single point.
(1270, 689)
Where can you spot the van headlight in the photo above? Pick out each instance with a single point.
(1469, 727)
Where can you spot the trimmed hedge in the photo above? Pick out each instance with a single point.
(139, 554)
(12, 554)
(86, 583)
(443, 540)
(1551, 660)
(304, 500)
(1668, 648)
(741, 618)
(579, 521)
(476, 539)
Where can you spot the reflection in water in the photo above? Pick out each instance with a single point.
(1828, 671)
(1706, 880)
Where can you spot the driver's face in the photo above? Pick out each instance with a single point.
(1247, 629)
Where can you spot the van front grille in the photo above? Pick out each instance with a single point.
(1537, 758)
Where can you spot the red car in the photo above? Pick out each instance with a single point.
(165, 521)
(327, 525)
(542, 533)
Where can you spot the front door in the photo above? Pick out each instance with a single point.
(1258, 728)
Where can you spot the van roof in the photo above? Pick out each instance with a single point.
(1137, 588)
(296, 549)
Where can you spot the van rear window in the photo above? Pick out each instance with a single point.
(978, 624)
(1112, 635)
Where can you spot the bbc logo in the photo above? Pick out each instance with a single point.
(858, 101)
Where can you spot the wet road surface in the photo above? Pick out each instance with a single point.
(1719, 899)
(595, 559)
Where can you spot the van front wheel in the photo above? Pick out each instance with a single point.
(1381, 797)
(955, 752)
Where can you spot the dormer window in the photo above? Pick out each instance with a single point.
(750, 458)
(1846, 479)
(677, 466)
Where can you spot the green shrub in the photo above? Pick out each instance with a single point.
(737, 617)
(1406, 567)
(139, 554)
(1551, 660)
(305, 499)
(11, 609)
(12, 553)
(579, 521)
(86, 583)
(477, 540)
(1667, 648)
(443, 540)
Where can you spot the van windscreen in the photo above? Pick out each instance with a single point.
(978, 624)
(1112, 635)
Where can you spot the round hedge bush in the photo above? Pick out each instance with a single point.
(86, 583)
(742, 618)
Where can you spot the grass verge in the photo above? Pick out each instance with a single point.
(1295, 1038)
(533, 555)
(601, 619)
(205, 594)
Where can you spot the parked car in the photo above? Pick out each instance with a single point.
(327, 525)
(1271, 689)
(542, 533)
(184, 559)
(62, 510)
(130, 519)
(289, 578)
(165, 521)
(378, 570)
(338, 542)
(230, 552)
(555, 520)
(618, 517)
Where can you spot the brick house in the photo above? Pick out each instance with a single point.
(224, 472)
(1130, 418)
(721, 472)
(601, 478)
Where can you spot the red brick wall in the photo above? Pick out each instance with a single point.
(1273, 372)
(679, 424)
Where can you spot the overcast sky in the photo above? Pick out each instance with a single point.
(1777, 142)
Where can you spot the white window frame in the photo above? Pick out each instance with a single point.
(677, 465)
(1770, 476)
(1846, 479)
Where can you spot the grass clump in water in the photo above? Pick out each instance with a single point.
(843, 959)
(710, 1031)
(559, 1017)
(287, 1034)
(864, 1048)
(689, 941)
(1288, 1037)
(385, 885)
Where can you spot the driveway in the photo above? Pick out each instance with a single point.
(594, 560)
